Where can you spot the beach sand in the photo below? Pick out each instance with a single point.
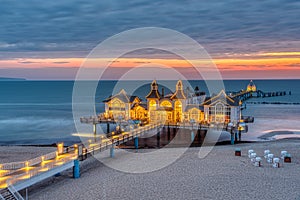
(22, 153)
(220, 175)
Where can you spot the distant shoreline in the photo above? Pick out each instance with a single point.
(11, 79)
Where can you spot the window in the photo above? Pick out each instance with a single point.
(166, 104)
(194, 114)
(219, 109)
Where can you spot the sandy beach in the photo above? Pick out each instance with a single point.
(22, 153)
(220, 175)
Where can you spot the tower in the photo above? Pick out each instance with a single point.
(179, 100)
(153, 101)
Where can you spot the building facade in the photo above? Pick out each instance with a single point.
(183, 105)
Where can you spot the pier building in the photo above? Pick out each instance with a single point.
(182, 105)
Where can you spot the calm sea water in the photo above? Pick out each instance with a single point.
(40, 112)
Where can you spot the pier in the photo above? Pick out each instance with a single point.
(17, 176)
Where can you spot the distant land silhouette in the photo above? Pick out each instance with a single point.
(11, 79)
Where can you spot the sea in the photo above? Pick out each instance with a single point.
(40, 112)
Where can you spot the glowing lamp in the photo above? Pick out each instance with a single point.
(60, 148)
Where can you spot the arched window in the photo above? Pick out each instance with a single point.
(194, 114)
(152, 105)
(219, 109)
(166, 104)
(178, 111)
(117, 105)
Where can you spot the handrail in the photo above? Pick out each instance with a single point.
(12, 165)
(14, 192)
(37, 170)
(70, 155)
(31, 162)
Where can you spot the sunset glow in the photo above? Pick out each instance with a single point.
(257, 62)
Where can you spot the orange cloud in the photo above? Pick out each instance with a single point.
(255, 61)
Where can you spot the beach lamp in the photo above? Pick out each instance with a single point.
(27, 164)
(249, 152)
(60, 148)
(270, 158)
(276, 163)
(288, 158)
(283, 154)
(266, 152)
(257, 162)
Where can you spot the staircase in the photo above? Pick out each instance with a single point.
(7, 195)
(10, 194)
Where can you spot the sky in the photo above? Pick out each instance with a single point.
(245, 39)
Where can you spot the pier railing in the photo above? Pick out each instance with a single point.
(41, 167)
(27, 163)
(17, 172)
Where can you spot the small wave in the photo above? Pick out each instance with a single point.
(35, 104)
(31, 121)
(279, 103)
(45, 104)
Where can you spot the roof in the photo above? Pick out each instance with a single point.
(123, 96)
(143, 105)
(168, 96)
(179, 94)
(222, 97)
(154, 93)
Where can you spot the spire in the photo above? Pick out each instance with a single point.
(154, 93)
(154, 85)
(179, 94)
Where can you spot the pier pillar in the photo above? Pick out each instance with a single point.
(169, 133)
(76, 169)
(158, 139)
(192, 136)
(107, 128)
(112, 151)
(136, 142)
(199, 135)
(232, 138)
